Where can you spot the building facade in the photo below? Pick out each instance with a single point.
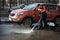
(10, 3)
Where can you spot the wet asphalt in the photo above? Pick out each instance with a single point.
(14, 31)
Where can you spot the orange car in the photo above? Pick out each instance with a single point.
(29, 14)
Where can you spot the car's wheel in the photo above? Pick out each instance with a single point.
(27, 21)
(56, 29)
(57, 21)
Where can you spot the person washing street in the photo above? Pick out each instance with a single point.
(42, 12)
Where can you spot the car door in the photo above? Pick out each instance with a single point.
(52, 10)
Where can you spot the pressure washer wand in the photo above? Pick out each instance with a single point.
(36, 24)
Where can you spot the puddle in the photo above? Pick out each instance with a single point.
(14, 28)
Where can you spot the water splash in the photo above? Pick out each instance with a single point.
(22, 31)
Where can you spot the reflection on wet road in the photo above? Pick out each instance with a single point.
(10, 30)
(13, 31)
(14, 27)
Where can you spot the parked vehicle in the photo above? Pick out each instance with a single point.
(29, 14)
(17, 7)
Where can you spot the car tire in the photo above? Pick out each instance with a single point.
(27, 21)
(56, 29)
(57, 22)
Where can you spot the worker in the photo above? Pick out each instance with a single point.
(42, 11)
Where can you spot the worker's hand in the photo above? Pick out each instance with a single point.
(39, 9)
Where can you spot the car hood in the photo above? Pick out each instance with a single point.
(18, 10)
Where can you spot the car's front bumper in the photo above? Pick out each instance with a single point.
(14, 19)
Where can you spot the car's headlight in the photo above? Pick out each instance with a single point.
(19, 14)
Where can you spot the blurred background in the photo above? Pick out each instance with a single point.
(6, 4)
(7, 30)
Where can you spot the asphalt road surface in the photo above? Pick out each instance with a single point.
(13, 31)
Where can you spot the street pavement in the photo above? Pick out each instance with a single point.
(14, 31)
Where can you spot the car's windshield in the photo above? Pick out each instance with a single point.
(30, 7)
